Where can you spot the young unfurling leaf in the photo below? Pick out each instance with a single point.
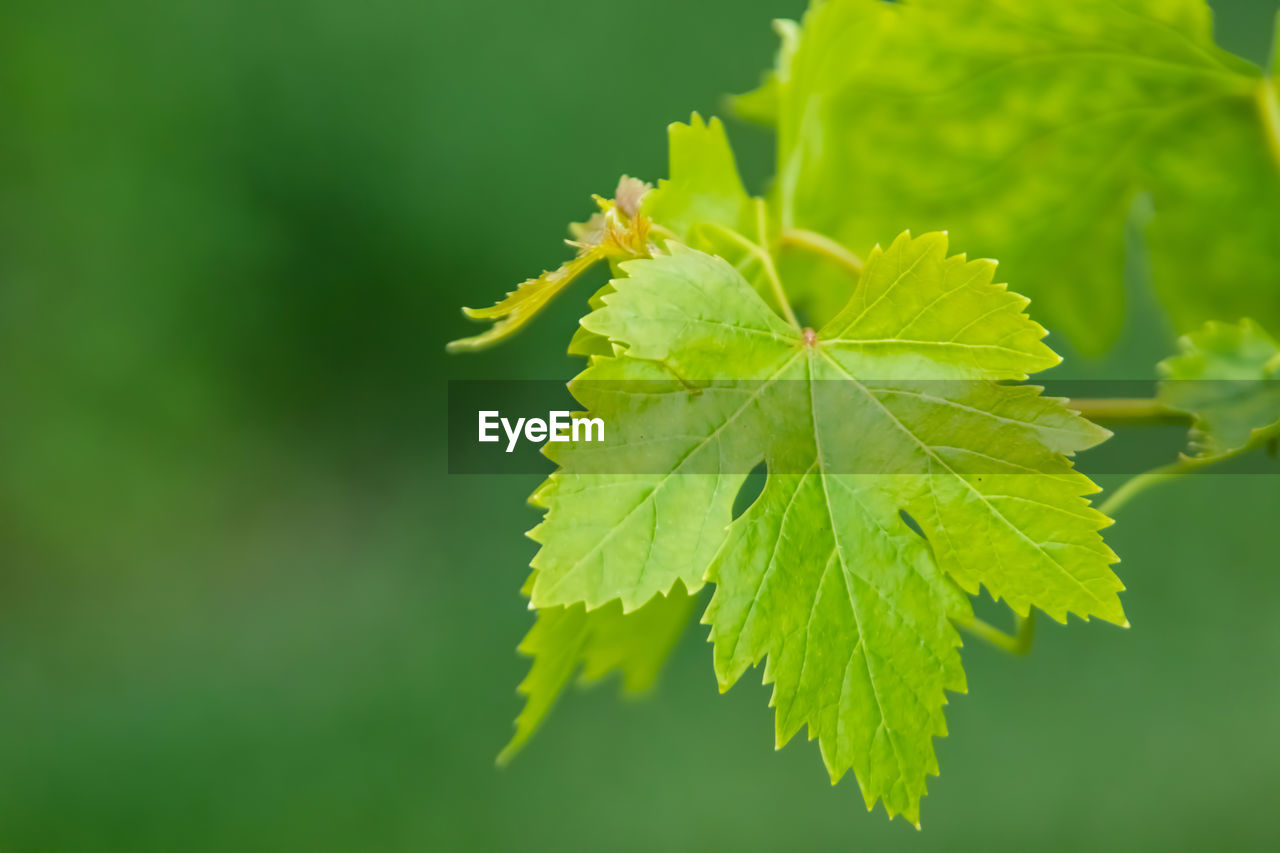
(617, 231)
(703, 204)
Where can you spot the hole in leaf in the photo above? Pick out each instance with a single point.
(751, 489)
(912, 523)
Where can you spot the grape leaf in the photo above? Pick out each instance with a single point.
(1227, 377)
(567, 640)
(1028, 129)
(822, 574)
(704, 186)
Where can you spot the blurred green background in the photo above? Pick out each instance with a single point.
(242, 605)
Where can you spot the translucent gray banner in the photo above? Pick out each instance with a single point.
(895, 426)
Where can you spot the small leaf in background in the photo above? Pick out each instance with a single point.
(1227, 377)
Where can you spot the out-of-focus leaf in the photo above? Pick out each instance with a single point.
(1027, 128)
(1227, 377)
(565, 641)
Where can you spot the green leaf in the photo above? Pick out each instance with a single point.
(1028, 129)
(823, 574)
(635, 530)
(704, 185)
(761, 105)
(1227, 377)
(565, 641)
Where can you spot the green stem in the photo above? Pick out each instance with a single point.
(1132, 410)
(1018, 643)
(762, 234)
(825, 246)
(667, 233)
(1185, 465)
(1135, 486)
(762, 255)
(1269, 110)
(1128, 410)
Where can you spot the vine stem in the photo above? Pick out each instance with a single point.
(823, 245)
(1135, 486)
(1017, 643)
(1185, 465)
(666, 232)
(1127, 410)
(761, 254)
(1269, 109)
(770, 270)
(1131, 410)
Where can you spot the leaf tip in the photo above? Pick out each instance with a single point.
(472, 344)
